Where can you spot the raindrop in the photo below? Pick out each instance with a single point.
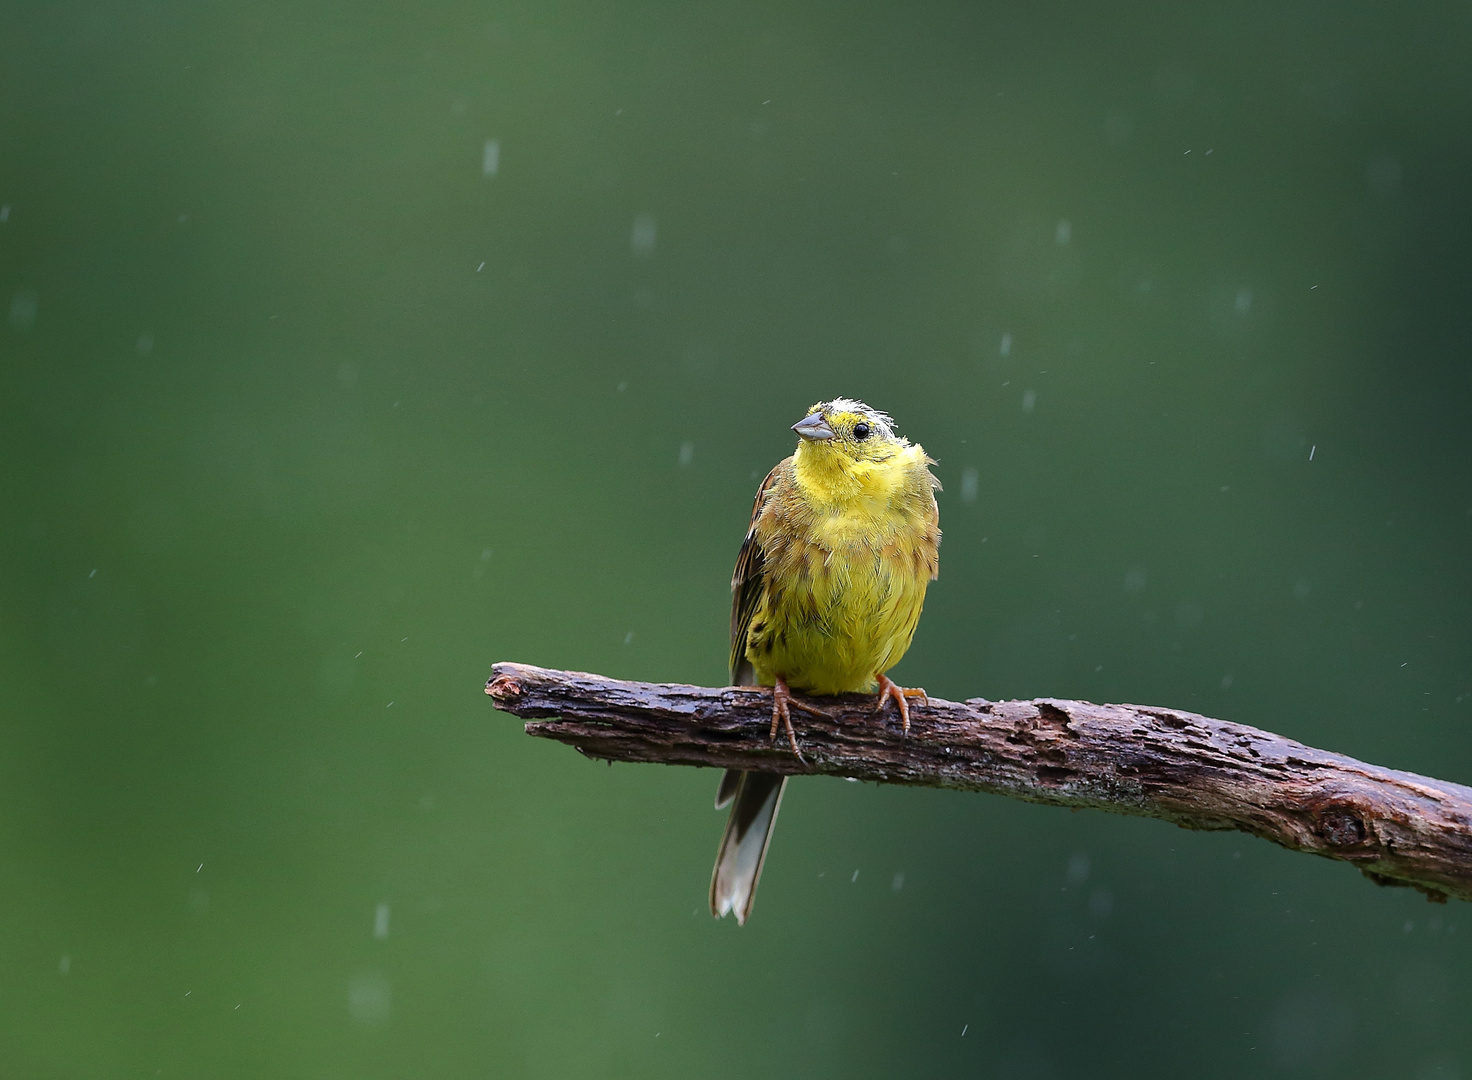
(370, 997)
(490, 158)
(641, 240)
(23, 307)
(968, 484)
(380, 921)
(1029, 400)
(1006, 349)
(687, 453)
(1078, 868)
(1063, 232)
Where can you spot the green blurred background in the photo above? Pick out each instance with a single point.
(351, 347)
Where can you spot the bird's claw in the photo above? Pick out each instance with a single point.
(889, 690)
(782, 704)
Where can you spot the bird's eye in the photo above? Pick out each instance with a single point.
(861, 430)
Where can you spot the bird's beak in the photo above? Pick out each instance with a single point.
(813, 427)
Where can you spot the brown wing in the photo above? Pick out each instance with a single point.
(933, 537)
(930, 545)
(747, 585)
(757, 795)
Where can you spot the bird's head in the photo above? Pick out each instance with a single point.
(846, 429)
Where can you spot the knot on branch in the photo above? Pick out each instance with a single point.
(504, 689)
(1041, 732)
(1341, 826)
(1050, 715)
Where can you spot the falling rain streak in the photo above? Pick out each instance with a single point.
(643, 235)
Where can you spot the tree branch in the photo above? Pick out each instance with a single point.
(1396, 827)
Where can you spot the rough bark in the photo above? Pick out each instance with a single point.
(1396, 827)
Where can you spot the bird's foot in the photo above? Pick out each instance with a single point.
(889, 690)
(782, 704)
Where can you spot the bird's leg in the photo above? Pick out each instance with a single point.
(782, 703)
(889, 690)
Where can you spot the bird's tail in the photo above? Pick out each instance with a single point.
(756, 798)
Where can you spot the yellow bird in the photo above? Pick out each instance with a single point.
(828, 589)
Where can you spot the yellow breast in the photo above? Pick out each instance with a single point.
(849, 553)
